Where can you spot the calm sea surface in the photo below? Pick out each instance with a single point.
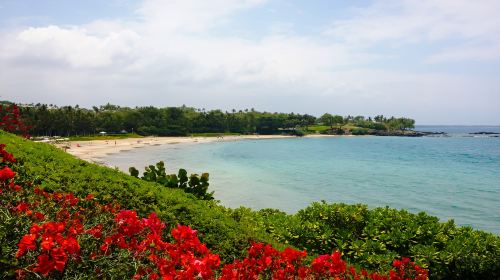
(455, 177)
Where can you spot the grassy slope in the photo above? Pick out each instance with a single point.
(60, 171)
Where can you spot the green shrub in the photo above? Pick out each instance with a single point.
(194, 184)
(299, 132)
(371, 238)
(359, 131)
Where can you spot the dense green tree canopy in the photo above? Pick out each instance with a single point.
(49, 120)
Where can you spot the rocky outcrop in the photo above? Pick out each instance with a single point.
(403, 133)
(484, 133)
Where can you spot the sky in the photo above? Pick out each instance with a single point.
(435, 61)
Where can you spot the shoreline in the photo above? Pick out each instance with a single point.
(92, 151)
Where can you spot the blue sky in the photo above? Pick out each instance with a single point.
(435, 61)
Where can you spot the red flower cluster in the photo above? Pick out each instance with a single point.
(331, 265)
(186, 258)
(264, 261)
(6, 157)
(404, 269)
(53, 242)
(57, 241)
(6, 174)
(10, 120)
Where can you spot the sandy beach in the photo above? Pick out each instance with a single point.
(94, 150)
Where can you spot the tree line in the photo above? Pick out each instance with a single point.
(379, 122)
(51, 120)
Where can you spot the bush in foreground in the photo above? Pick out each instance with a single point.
(374, 237)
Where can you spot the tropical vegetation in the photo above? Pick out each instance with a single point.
(68, 121)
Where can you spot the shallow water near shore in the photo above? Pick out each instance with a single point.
(454, 177)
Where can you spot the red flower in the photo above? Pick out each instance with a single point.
(44, 265)
(96, 231)
(47, 243)
(104, 248)
(71, 246)
(35, 229)
(57, 196)
(70, 199)
(21, 207)
(5, 155)
(75, 229)
(27, 243)
(154, 224)
(6, 174)
(128, 222)
(39, 216)
(183, 232)
(60, 258)
(54, 227)
(56, 260)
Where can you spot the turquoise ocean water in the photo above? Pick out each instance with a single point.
(455, 177)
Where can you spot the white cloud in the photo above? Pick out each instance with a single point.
(168, 55)
(74, 46)
(468, 24)
(423, 20)
(485, 53)
(189, 15)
